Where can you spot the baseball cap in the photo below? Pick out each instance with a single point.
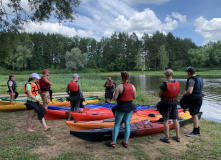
(75, 75)
(45, 71)
(35, 75)
(168, 72)
(190, 69)
(11, 75)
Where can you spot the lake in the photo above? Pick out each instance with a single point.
(211, 107)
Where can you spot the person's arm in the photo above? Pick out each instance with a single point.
(105, 84)
(67, 90)
(80, 91)
(116, 93)
(160, 93)
(115, 84)
(188, 92)
(10, 86)
(135, 93)
(47, 81)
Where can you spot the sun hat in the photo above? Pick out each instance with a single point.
(168, 72)
(35, 75)
(190, 69)
(45, 71)
(11, 75)
(75, 75)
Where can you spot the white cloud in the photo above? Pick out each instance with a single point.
(182, 18)
(147, 1)
(209, 29)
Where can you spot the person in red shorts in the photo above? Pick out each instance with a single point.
(45, 85)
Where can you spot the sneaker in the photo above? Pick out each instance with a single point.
(191, 134)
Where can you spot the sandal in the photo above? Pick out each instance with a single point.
(110, 144)
(125, 145)
(176, 138)
(164, 139)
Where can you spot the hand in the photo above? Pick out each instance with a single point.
(13, 93)
(84, 99)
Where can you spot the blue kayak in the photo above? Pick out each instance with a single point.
(91, 106)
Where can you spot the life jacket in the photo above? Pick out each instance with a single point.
(44, 86)
(35, 88)
(128, 93)
(13, 86)
(110, 84)
(72, 86)
(173, 89)
(198, 86)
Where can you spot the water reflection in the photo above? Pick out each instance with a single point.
(212, 90)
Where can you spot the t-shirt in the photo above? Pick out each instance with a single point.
(28, 87)
(191, 83)
(10, 83)
(163, 86)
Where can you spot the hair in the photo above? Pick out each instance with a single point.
(10, 78)
(124, 75)
(30, 79)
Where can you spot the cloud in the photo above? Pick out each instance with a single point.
(209, 29)
(182, 18)
(147, 1)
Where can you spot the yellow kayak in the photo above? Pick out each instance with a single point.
(57, 103)
(15, 107)
(7, 103)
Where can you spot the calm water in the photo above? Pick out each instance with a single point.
(212, 89)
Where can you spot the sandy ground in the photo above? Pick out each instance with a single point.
(60, 141)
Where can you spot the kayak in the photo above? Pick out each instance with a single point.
(141, 128)
(14, 107)
(93, 101)
(62, 99)
(108, 123)
(15, 100)
(93, 116)
(63, 114)
(7, 102)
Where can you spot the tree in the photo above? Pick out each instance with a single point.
(164, 60)
(76, 60)
(36, 10)
(19, 60)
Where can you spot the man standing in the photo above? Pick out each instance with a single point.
(45, 86)
(109, 91)
(168, 93)
(193, 97)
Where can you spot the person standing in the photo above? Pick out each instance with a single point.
(12, 88)
(45, 85)
(75, 94)
(109, 91)
(168, 93)
(193, 97)
(33, 103)
(125, 93)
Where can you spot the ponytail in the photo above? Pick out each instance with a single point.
(124, 75)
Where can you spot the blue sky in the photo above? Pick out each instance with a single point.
(199, 20)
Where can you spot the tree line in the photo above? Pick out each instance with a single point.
(30, 51)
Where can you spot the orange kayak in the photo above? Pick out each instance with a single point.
(107, 123)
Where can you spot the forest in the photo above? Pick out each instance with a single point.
(121, 51)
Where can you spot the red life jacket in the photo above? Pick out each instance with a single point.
(173, 89)
(110, 84)
(35, 89)
(128, 93)
(72, 86)
(44, 86)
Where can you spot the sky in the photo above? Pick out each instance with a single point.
(199, 20)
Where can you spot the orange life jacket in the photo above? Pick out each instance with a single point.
(72, 86)
(173, 89)
(35, 89)
(110, 84)
(44, 86)
(128, 93)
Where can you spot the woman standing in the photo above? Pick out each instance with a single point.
(33, 103)
(75, 94)
(12, 87)
(124, 94)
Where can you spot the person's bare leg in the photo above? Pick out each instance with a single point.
(177, 127)
(195, 121)
(12, 99)
(46, 128)
(31, 114)
(166, 128)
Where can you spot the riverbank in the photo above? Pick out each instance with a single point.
(57, 143)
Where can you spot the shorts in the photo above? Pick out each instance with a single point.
(45, 96)
(29, 107)
(170, 112)
(195, 105)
